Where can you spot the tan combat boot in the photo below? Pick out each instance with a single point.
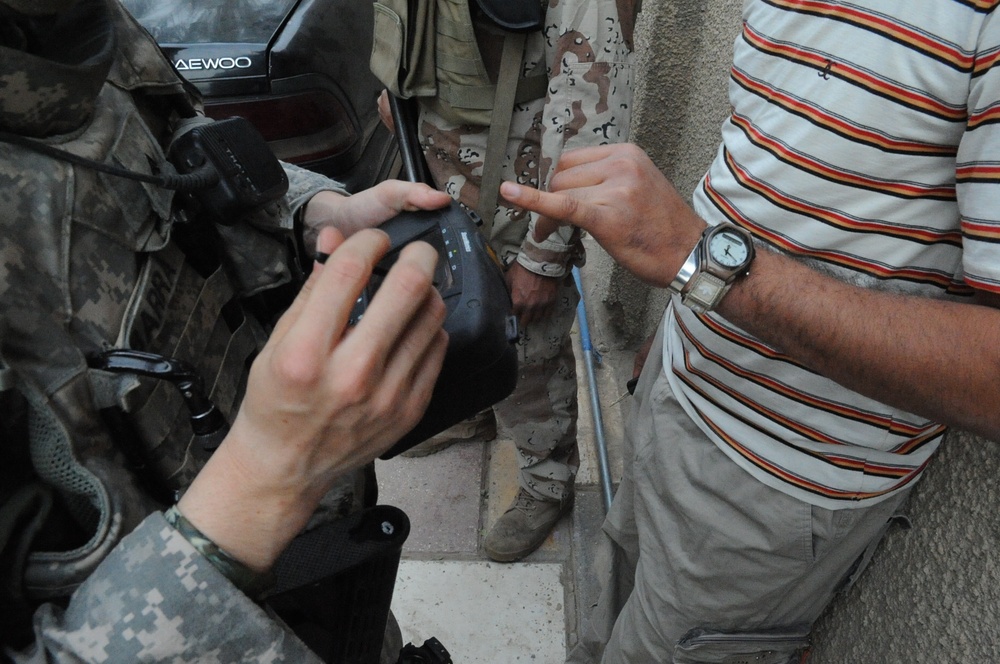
(524, 526)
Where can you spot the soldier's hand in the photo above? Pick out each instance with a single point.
(368, 208)
(532, 295)
(323, 398)
(620, 197)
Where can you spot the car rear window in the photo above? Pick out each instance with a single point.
(210, 21)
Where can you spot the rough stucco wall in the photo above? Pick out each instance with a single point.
(931, 593)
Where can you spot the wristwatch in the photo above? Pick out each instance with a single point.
(723, 255)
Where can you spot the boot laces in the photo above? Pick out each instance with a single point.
(525, 502)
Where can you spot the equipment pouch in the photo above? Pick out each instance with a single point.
(403, 47)
(333, 584)
(781, 645)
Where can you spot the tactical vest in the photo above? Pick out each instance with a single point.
(93, 261)
(428, 49)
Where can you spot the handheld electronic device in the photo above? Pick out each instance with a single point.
(480, 366)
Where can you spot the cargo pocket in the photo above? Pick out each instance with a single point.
(782, 645)
(403, 46)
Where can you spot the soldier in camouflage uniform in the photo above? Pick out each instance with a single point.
(94, 566)
(584, 50)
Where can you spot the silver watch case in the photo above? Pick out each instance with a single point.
(703, 280)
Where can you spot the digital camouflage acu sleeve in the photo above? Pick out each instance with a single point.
(183, 610)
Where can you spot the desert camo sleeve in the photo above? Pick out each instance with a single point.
(589, 102)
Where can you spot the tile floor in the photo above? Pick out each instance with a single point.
(482, 611)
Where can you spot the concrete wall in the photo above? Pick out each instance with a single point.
(932, 593)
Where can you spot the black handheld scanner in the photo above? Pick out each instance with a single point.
(480, 367)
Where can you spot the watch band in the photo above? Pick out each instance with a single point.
(688, 270)
(704, 292)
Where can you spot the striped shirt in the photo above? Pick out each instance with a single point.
(864, 138)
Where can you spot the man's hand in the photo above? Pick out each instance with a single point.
(368, 208)
(323, 398)
(619, 196)
(533, 295)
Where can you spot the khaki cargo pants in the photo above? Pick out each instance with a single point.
(693, 541)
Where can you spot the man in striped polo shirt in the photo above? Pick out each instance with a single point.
(835, 282)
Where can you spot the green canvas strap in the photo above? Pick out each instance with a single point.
(496, 143)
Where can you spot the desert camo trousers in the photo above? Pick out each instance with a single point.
(694, 541)
(541, 413)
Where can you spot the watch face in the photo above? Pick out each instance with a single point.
(728, 249)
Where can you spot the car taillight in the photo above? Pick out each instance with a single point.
(301, 127)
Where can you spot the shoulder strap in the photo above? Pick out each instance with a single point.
(496, 143)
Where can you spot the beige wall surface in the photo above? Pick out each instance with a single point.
(932, 592)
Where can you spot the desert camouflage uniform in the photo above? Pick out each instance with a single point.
(583, 45)
(90, 261)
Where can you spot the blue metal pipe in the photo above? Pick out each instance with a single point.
(589, 354)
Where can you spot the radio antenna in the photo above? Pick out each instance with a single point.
(404, 118)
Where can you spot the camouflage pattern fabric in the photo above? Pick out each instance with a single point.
(588, 103)
(541, 413)
(250, 582)
(90, 261)
(184, 610)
